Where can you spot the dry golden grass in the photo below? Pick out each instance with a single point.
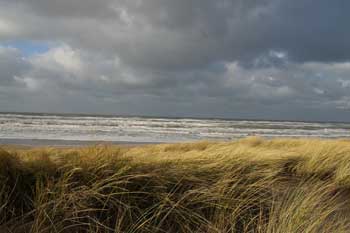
(250, 185)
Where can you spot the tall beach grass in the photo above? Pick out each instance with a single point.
(250, 185)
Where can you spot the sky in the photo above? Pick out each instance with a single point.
(251, 59)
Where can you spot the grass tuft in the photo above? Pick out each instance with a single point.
(250, 185)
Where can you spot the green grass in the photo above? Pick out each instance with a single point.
(251, 185)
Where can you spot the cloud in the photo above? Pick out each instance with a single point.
(262, 59)
(185, 34)
(12, 64)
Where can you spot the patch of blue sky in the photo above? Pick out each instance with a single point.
(27, 47)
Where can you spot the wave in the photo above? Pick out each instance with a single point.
(138, 129)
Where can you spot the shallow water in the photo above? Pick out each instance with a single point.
(77, 128)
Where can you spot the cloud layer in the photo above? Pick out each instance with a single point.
(228, 58)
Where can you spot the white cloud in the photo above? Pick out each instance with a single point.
(7, 28)
(31, 84)
(62, 58)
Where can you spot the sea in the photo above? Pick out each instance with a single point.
(71, 129)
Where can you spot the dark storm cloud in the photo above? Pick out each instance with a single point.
(12, 65)
(188, 33)
(227, 57)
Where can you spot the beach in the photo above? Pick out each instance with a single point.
(64, 143)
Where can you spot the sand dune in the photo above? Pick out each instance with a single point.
(250, 185)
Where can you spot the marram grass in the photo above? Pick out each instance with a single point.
(251, 185)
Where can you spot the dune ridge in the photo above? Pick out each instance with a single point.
(249, 185)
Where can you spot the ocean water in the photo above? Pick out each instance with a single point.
(80, 128)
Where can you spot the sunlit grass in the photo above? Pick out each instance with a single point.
(251, 185)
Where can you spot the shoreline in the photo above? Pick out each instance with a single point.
(67, 143)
